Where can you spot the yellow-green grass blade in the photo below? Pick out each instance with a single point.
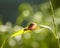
(20, 32)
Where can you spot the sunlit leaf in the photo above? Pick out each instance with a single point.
(47, 27)
(17, 33)
(20, 32)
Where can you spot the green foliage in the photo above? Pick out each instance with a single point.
(20, 32)
(45, 36)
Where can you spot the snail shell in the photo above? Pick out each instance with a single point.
(32, 26)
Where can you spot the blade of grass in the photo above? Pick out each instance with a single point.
(20, 32)
(47, 27)
(55, 28)
(3, 44)
(54, 24)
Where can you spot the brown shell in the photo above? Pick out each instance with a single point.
(32, 26)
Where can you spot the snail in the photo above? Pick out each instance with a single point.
(32, 26)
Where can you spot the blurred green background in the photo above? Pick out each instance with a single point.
(17, 14)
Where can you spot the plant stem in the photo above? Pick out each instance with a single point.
(54, 24)
(55, 28)
(3, 44)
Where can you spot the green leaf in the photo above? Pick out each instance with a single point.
(20, 32)
(47, 27)
(17, 33)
